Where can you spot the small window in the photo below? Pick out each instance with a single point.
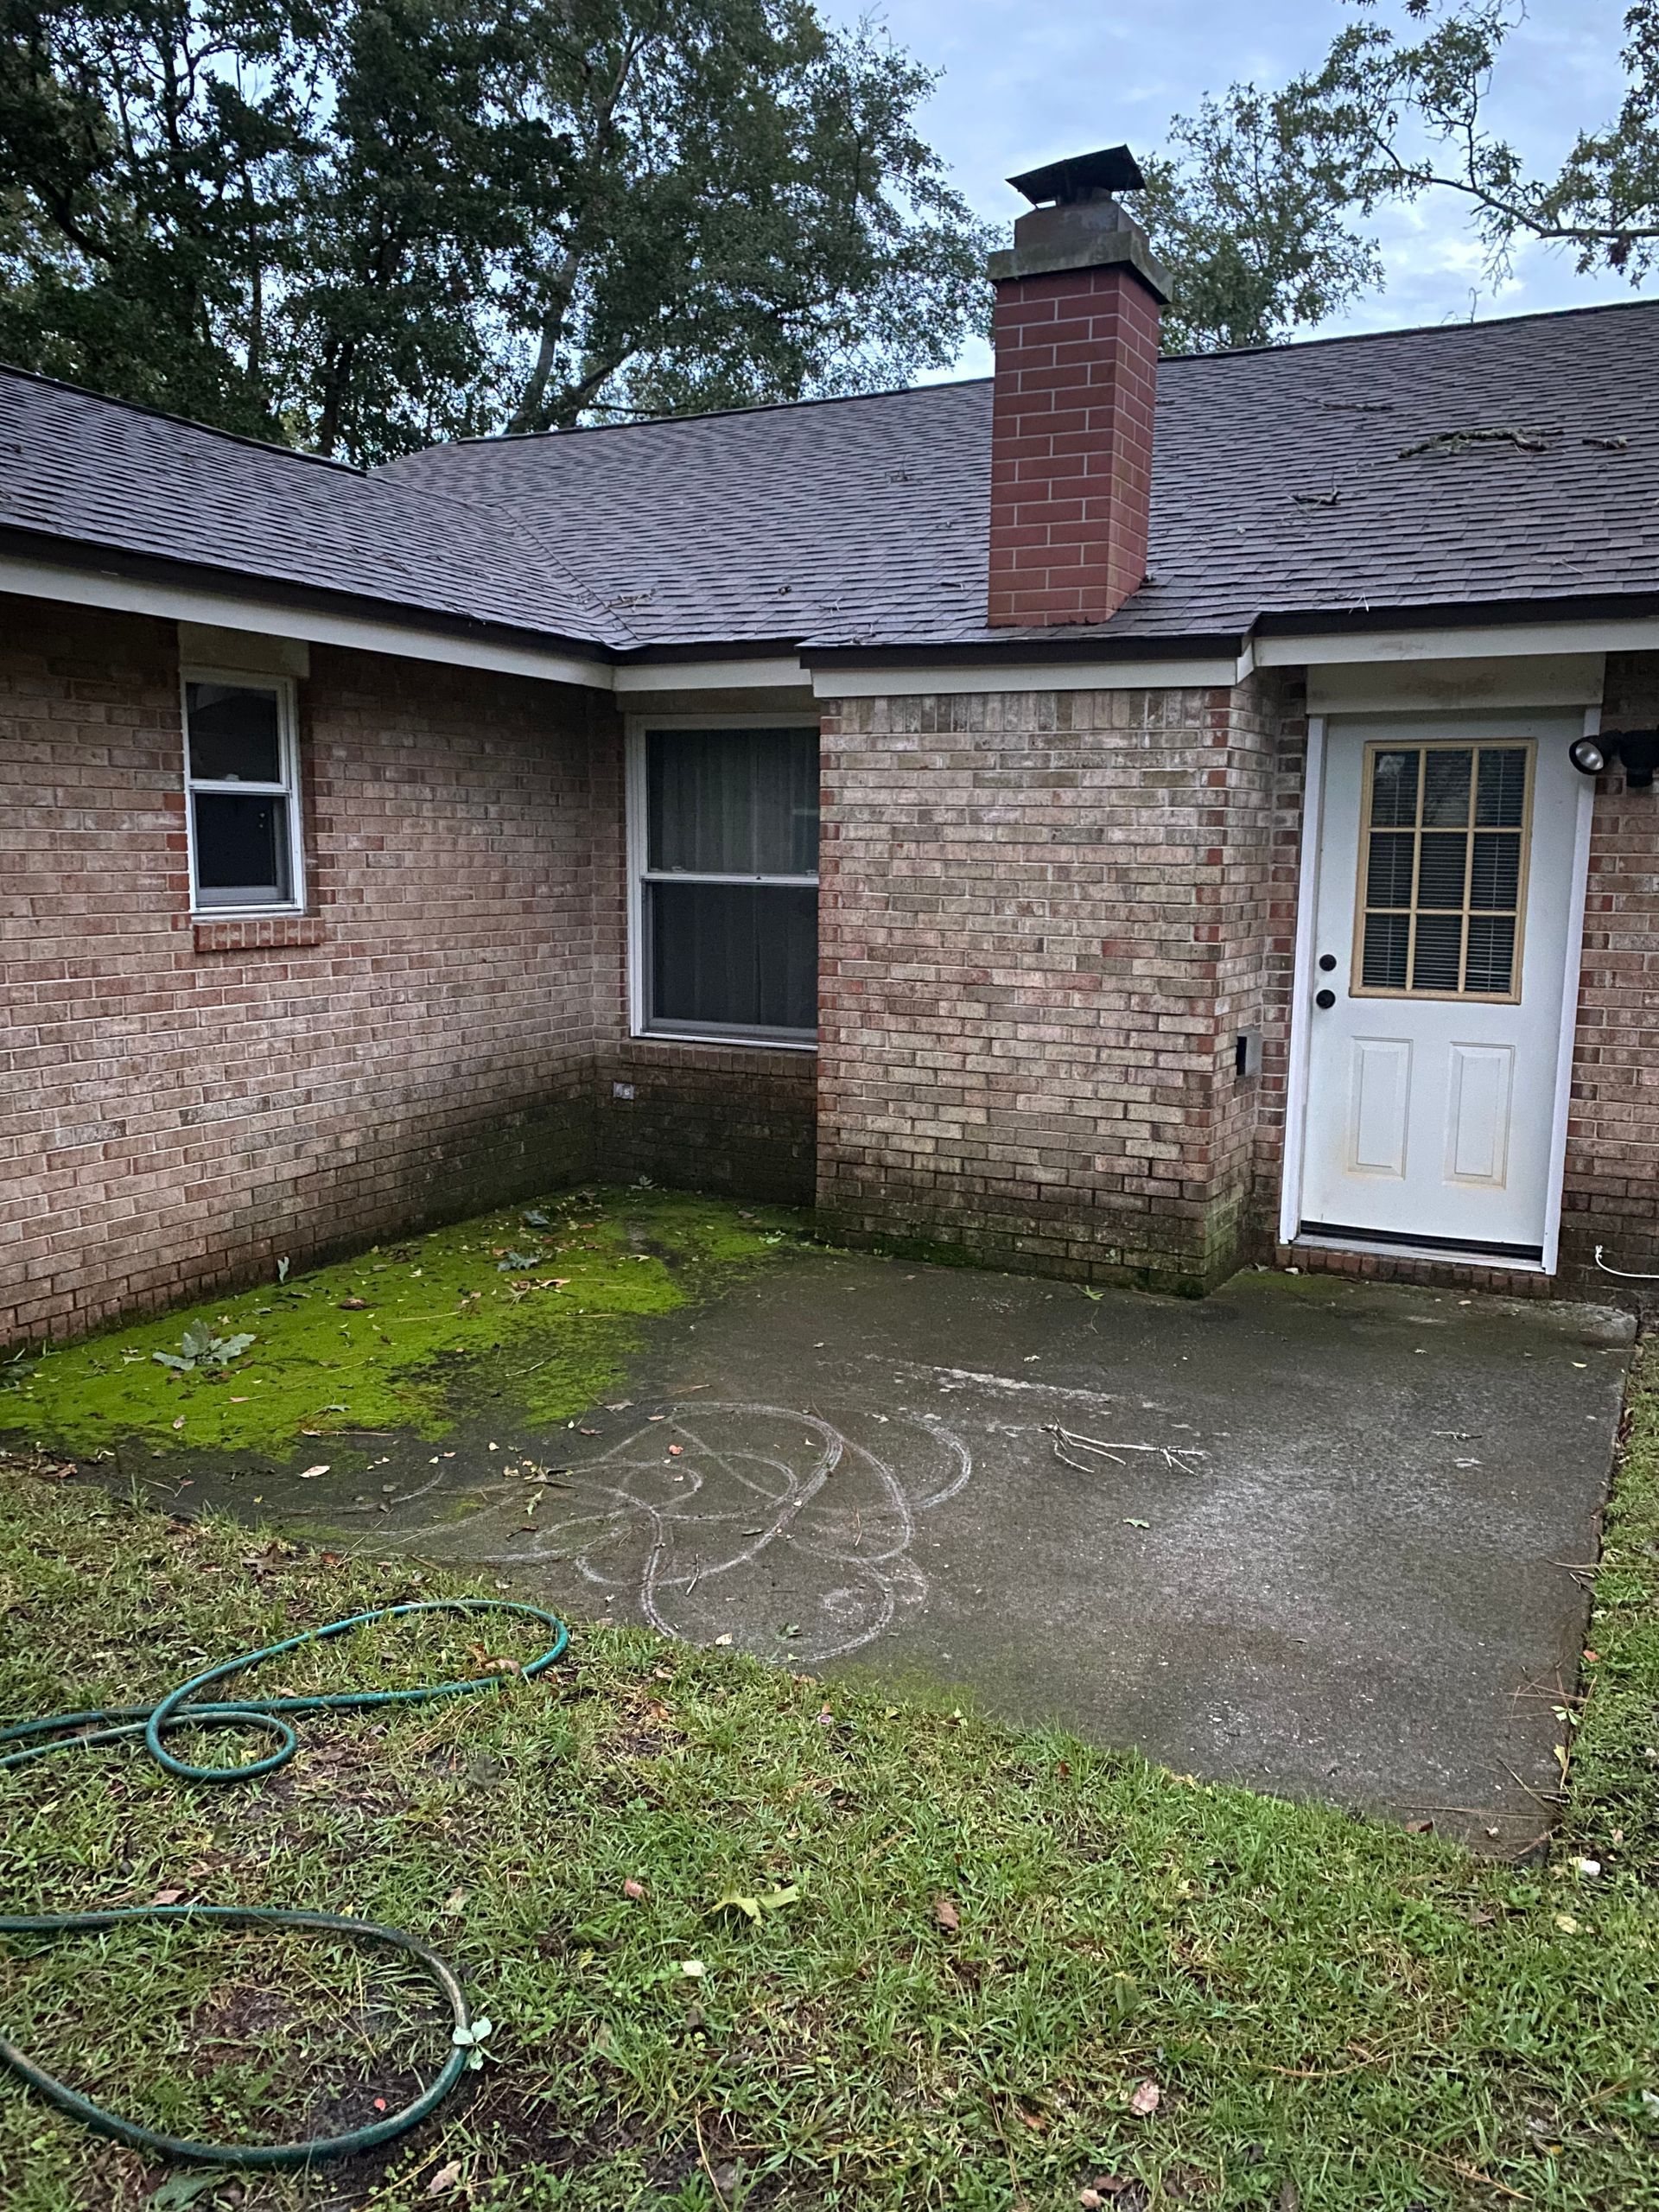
(727, 926)
(1442, 870)
(242, 790)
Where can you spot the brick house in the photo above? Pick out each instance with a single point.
(1123, 817)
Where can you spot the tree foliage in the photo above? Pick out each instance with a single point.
(368, 223)
(1401, 108)
(1248, 213)
(1260, 204)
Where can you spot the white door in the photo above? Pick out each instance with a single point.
(1446, 888)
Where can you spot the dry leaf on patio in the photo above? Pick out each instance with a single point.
(945, 1913)
(444, 2179)
(1144, 2098)
(309, 1474)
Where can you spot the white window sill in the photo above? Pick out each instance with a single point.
(732, 1041)
(203, 914)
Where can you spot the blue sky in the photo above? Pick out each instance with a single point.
(1026, 80)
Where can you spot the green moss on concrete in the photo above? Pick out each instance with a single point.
(408, 1334)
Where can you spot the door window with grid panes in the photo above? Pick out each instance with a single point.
(1442, 870)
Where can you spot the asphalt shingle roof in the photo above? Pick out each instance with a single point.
(76, 467)
(1330, 478)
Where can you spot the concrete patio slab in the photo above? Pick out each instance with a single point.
(1325, 1538)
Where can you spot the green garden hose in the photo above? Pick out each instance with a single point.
(65, 1731)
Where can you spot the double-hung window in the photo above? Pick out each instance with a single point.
(724, 839)
(242, 794)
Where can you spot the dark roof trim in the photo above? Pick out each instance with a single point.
(1459, 614)
(94, 559)
(1024, 645)
(734, 649)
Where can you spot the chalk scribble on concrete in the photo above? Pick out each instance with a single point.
(760, 1522)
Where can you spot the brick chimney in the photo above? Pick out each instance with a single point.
(1077, 302)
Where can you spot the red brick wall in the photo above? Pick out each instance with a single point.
(711, 1118)
(1612, 1194)
(181, 1105)
(1046, 917)
(442, 1029)
(1071, 426)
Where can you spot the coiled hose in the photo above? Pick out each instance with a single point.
(69, 1731)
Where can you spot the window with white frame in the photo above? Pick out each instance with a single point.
(242, 793)
(725, 838)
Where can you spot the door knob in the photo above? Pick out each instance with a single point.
(1325, 998)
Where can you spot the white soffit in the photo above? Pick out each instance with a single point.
(1542, 680)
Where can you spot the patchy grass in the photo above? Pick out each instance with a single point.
(1335, 2014)
(546, 1297)
(1614, 1794)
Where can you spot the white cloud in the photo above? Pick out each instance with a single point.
(1029, 80)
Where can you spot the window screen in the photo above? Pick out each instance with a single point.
(240, 789)
(1442, 861)
(730, 894)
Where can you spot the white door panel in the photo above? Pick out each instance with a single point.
(1380, 1106)
(1477, 1115)
(1444, 884)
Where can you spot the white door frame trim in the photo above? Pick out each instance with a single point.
(1301, 982)
(1576, 898)
(1299, 1057)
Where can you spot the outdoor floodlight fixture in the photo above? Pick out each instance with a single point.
(1637, 748)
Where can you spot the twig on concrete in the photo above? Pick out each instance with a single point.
(1553, 1797)
(1065, 1439)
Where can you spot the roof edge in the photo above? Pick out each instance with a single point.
(1449, 614)
(187, 422)
(92, 557)
(1024, 647)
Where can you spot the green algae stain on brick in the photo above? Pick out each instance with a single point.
(543, 1312)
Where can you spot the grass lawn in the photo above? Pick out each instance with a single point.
(979, 1947)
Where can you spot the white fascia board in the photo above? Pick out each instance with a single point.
(644, 679)
(1211, 673)
(228, 611)
(1495, 640)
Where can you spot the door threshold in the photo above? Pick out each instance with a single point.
(1457, 1255)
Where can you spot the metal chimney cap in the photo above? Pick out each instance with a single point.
(1081, 177)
